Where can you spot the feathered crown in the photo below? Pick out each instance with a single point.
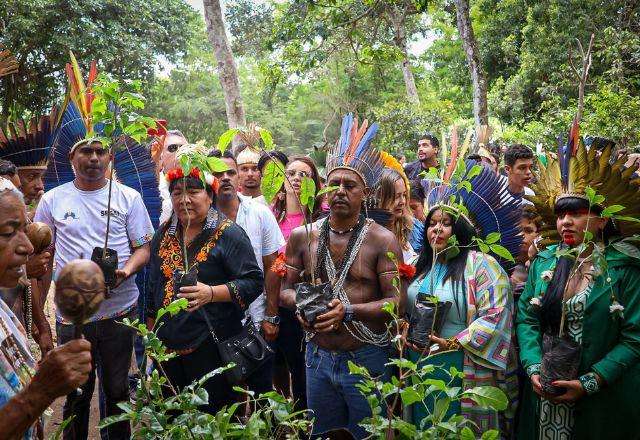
(474, 192)
(27, 145)
(354, 151)
(574, 170)
(388, 161)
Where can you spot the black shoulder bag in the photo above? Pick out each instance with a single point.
(247, 350)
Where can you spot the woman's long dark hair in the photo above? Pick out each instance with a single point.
(551, 304)
(464, 232)
(280, 204)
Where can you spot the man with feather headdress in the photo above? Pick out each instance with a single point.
(349, 253)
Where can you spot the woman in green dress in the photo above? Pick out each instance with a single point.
(477, 332)
(587, 291)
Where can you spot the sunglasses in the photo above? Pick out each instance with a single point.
(173, 148)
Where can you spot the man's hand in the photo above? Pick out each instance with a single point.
(64, 369)
(38, 264)
(574, 392)
(269, 331)
(197, 295)
(303, 322)
(121, 275)
(331, 320)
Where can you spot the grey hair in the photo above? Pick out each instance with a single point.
(7, 187)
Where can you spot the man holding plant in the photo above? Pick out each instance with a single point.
(76, 212)
(351, 254)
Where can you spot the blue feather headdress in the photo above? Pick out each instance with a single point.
(354, 151)
(27, 145)
(474, 194)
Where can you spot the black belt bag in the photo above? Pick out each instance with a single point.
(247, 350)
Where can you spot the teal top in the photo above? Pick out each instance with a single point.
(456, 320)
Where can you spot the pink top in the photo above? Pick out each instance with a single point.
(290, 222)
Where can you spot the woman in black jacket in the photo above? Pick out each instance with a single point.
(228, 280)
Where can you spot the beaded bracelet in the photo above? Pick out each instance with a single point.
(533, 369)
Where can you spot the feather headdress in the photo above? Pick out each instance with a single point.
(574, 170)
(27, 144)
(354, 151)
(473, 191)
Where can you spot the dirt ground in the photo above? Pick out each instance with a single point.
(53, 422)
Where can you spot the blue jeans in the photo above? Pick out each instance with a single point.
(332, 395)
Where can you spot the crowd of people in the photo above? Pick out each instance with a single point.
(450, 225)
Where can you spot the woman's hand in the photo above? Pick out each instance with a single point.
(537, 387)
(574, 391)
(197, 295)
(404, 330)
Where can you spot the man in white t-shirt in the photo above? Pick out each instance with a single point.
(77, 215)
(266, 238)
(173, 140)
(518, 161)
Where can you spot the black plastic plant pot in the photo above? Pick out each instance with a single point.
(312, 301)
(108, 263)
(560, 361)
(427, 317)
(184, 279)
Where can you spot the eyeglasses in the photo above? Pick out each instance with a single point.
(173, 148)
(294, 173)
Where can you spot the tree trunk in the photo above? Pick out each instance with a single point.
(227, 71)
(400, 40)
(478, 77)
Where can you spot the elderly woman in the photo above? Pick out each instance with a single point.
(228, 280)
(24, 395)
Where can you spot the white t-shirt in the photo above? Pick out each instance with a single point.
(167, 207)
(78, 220)
(266, 238)
(506, 195)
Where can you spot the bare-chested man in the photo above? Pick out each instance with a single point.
(355, 327)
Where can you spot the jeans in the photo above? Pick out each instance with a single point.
(332, 395)
(111, 347)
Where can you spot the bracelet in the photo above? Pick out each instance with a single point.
(589, 383)
(453, 344)
(211, 288)
(533, 369)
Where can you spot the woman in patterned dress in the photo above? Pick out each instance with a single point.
(477, 332)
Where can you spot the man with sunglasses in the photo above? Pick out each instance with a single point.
(172, 141)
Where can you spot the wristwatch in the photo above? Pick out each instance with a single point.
(348, 313)
(275, 320)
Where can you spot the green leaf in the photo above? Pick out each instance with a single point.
(356, 369)
(627, 249)
(440, 409)
(626, 218)
(225, 138)
(493, 237)
(488, 397)
(216, 165)
(272, 180)
(492, 434)
(610, 210)
(588, 236)
(473, 172)
(308, 192)
(501, 251)
(467, 434)
(267, 139)
(327, 189)
(409, 396)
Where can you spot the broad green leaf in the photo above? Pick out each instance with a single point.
(357, 369)
(267, 139)
(488, 397)
(610, 210)
(216, 165)
(440, 408)
(307, 192)
(626, 218)
(492, 434)
(327, 189)
(272, 180)
(501, 251)
(493, 237)
(473, 172)
(627, 249)
(225, 138)
(467, 434)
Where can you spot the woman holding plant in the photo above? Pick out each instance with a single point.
(579, 315)
(200, 241)
(460, 306)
